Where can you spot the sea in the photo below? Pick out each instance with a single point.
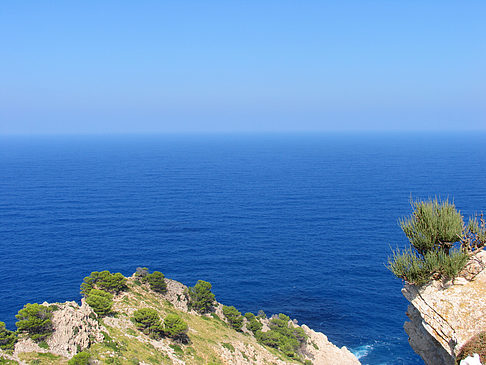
(300, 224)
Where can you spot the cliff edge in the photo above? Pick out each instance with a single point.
(444, 316)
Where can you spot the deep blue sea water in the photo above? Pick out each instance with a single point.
(297, 224)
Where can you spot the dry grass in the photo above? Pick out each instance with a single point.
(476, 345)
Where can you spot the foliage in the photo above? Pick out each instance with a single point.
(141, 272)
(7, 338)
(104, 280)
(201, 299)
(147, 321)
(252, 324)
(282, 335)
(475, 234)
(433, 225)
(35, 320)
(82, 358)
(233, 316)
(156, 281)
(417, 270)
(101, 301)
(175, 327)
(269, 338)
(432, 229)
(261, 314)
(476, 345)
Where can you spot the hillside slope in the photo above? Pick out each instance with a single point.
(115, 339)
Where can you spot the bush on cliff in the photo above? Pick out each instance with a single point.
(252, 324)
(147, 320)
(175, 327)
(104, 280)
(156, 281)
(200, 297)
(82, 358)
(432, 229)
(233, 316)
(141, 272)
(7, 338)
(35, 321)
(282, 335)
(101, 301)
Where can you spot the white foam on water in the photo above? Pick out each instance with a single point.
(362, 351)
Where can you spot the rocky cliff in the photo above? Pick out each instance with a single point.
(444, 316)
(115, 339)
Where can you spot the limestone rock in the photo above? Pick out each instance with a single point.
(322, 352)
(444, 317)
(75, 328)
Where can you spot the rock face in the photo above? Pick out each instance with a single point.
(75, 327)
(320, 351)
(444, 316)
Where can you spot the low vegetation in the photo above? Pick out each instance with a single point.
(195, 339)
(200, 297)
(35, 321)
(7, 338)
(283, 335)
(440, 242)
(156, 280)
(104, 280)
(175, 327)
(253, 324)
(81, 358)
(476, 345)
(101, 302)
(234, 317)
(147, 320)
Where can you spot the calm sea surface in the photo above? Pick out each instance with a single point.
(294, 224)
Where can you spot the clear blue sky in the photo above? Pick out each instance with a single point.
(231, 66)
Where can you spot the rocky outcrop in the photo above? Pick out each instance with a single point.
(445, 315)
(210, 339)
(75, 329)
(320, 351)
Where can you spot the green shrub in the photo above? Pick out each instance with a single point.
(147, 320)
(233, 316)
(252, 324)
(200, 297)
(432, 230)
(269, 338)
(475, 236)
(175, 327)
(282, 335)
(156, 281)
(81, 358)
(101, 302)
(417, 270)
(433, 225)
(261, 314)
(7, 338)
(104, 280)
(35, 320)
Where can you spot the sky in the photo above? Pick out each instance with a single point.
(81, 67)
